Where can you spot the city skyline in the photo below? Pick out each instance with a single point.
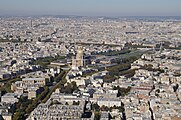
(91, 7)
(90, 64)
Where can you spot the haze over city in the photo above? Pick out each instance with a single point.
(91, 7)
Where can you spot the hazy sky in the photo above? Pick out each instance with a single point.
(92, 7)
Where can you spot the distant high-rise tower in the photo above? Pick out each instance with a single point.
(31, 24)
(161, 47)
(78, 60)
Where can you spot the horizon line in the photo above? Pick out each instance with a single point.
(74, 15)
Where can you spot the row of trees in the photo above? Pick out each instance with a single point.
(121, 69)
(25, 106)
(122, 91)
(69, 88)
(60, 79)
(7, 86)
(149, 67)
(114, 52)
(46, 60)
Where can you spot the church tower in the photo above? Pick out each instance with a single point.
(78, 60)
(79, 57)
